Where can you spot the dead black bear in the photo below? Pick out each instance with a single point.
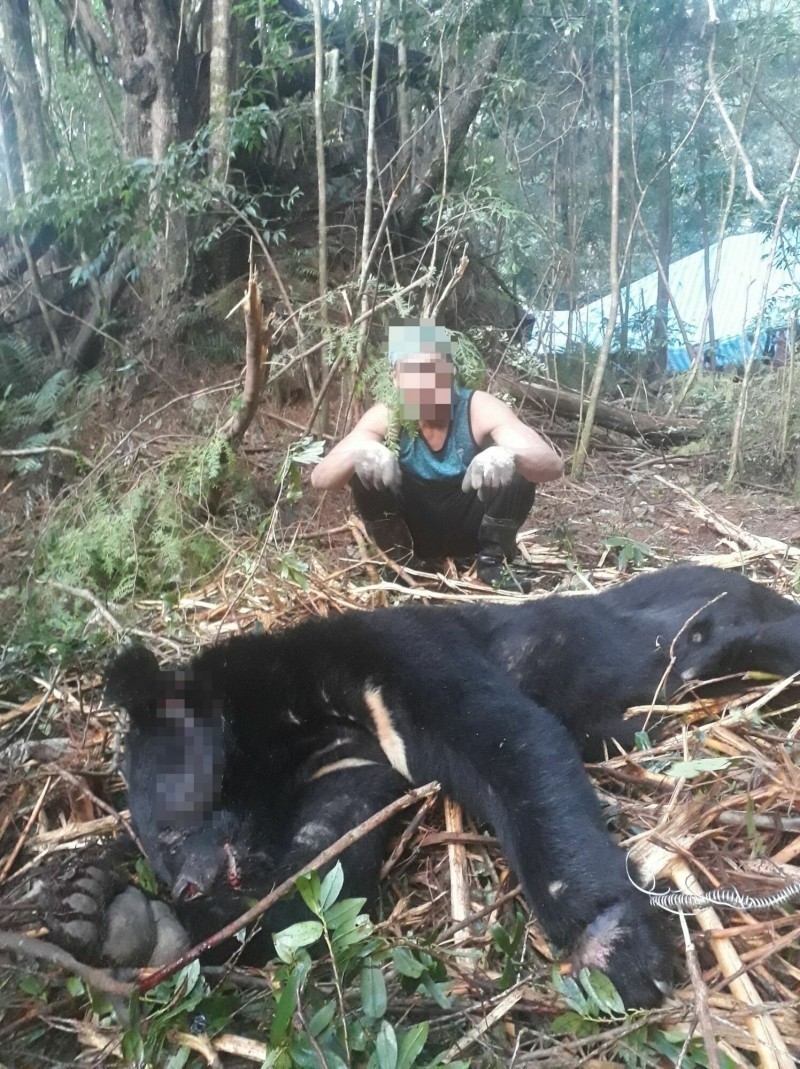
(247, 762)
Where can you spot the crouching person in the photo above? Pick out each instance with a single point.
(462, 485)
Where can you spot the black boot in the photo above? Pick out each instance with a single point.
(497, 545)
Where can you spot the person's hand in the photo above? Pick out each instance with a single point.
(489, 472)
(377, 467)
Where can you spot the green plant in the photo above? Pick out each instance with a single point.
(305, 451)
(37, 409)
(593, 1005)
(628, 551)
(592, 1000)
(330, 1011)
(119, 537)
(771, 432)
(352, 1025)
(23, 367)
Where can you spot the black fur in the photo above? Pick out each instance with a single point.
(588, 660)
(244, 764)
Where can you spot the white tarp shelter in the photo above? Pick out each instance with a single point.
(744, 284)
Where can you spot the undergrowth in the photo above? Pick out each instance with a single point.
(771, 433)
(120, 537)
(366, 999)
(118, 534)
(39, 407)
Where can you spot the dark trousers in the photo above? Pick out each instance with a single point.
(442, 520)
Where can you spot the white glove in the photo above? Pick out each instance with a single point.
(377, 467)
(489, 471)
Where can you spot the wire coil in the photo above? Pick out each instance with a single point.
(726, 897)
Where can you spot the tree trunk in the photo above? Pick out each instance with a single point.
(220, 87)
(664, 232)
(464, 99)
(163, 104)
(323, 411)
(151, 54)
(602, 360)
(9, 147)
(572, 405)
(16, 49)
(702, 203)
(405, 154)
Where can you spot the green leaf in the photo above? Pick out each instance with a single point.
(333, 1061)
(146, 876)
(342, 915)
(641, 741)
(361, 930)
(322, 1018)
(290, 940)
(357, 1036)
(438, 992)
(373, 992)
(74, 986)
(178, 1059)
(302, 1053)
(566, 1024)
(691, 769)
(310, 891)
(409, 1045)
(32, 985)
(603, 991)
(287, 1003)
(386, 1047)
(406, 964)
(660, 1042)
(132, 1047)
(570, 991)
(331, 887)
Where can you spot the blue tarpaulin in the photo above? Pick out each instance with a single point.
(744, 286)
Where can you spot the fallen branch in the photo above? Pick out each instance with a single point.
(12, 857)
(651, 429)
(41, 450)
(772, 1051)
(700, 997)
(460, 907)
(770, 548)
(39, 950)
(86, 595)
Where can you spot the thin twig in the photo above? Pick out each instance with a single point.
(28, 825)
(40, 450)
(87, 595)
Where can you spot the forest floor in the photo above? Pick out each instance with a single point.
(725, 774)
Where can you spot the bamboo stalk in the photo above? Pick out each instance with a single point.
(771, 1049)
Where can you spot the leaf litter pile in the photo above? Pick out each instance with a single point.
(714, 804)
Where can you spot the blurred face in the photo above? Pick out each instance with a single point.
(425, 385)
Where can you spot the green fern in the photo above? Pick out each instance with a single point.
(45, 416)
(123, 540)
(37, 407)
(23, 367)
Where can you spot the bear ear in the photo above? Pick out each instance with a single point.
(132, 683)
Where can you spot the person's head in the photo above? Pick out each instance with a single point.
(422, 369)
